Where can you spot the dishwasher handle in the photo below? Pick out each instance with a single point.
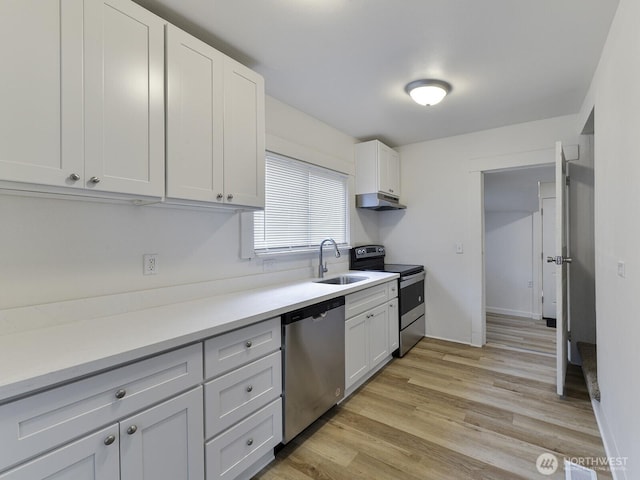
(318, 310)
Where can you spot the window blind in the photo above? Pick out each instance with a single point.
(304, 204)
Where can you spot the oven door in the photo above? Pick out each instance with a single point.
(411, 298)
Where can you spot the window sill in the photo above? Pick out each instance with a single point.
(300, 252)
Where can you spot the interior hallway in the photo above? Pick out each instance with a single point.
(520, 334)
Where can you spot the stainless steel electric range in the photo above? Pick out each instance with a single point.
(410, 296)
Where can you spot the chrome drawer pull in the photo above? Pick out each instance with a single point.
(109, 440)
(248, 344)
(132, 429)
(250, 442)
(250, 388)
(121, 393)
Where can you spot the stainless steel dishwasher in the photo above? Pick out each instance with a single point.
(313, 363)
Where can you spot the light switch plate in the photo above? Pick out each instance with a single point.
(621, 269)
(459, 248)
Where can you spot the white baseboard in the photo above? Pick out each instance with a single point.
(513, 313)
(451, 340)
(610, 447)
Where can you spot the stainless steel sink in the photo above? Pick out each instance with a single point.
(342, 280)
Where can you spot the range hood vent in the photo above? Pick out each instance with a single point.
(378, 201)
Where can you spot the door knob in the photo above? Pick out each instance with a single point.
(559, 260)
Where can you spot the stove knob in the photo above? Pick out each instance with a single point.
(360, 251)
(380, 250)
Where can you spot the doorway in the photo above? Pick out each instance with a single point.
(513, 251)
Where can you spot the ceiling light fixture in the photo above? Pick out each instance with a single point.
(428, 92)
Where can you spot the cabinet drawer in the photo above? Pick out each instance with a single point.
(235, 450)
(364, 300)
(42, 421)
(233, 396)
(229, 351)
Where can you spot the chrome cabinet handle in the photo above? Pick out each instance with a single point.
(248, 344)
(219, 196)
(132, 429)
(250, 442)
(121, 393)
(250, 388)
(109, 440)
(74, 177)
(94, 180)
(230, 197)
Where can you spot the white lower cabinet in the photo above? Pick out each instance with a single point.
(371, 332)
(243, 408)
(164, 442)
(161, 443)
(89, 458)
(233, 452)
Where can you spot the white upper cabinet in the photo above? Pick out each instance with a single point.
(244, 128)
(41, 92)
(377, 169)
(195, 115)
(82, 92)
(124, 95)
(215, 125)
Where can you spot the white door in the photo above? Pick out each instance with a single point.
(124, 98)
(41, 92)
(394, 328)
(561, 260)
(165, 442)
(195, 112)
(356, 349)
(91, 458)
(244, 141)
(378, 335)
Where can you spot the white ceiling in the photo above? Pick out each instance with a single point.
(346, 62)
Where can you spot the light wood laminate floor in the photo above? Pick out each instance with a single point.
(448, 411)
(520, 334)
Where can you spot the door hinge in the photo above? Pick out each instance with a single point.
(542, 211)
(569, 335)
(567, 181)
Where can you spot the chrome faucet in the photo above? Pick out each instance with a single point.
(322, 269)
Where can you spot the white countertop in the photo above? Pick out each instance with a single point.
(37, 359)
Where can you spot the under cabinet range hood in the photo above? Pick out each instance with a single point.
(378, 201)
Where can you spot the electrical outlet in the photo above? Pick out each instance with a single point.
(150, 263)
(530, 284)
(459, 248)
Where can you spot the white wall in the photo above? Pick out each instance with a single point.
(442, 188)
(615, 92)
(54, 250)
(509, 263)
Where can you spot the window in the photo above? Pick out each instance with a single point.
(304, 204)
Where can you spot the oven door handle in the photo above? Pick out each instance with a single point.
(411, 279)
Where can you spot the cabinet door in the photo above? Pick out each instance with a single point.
(356, 349)
(41, 91)
(393, 173)
(244, 143)
(388, 170)
(165, 442)
(195, 112)
(124, 98)
(378, 335)
(89, 458)
(394, 327)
